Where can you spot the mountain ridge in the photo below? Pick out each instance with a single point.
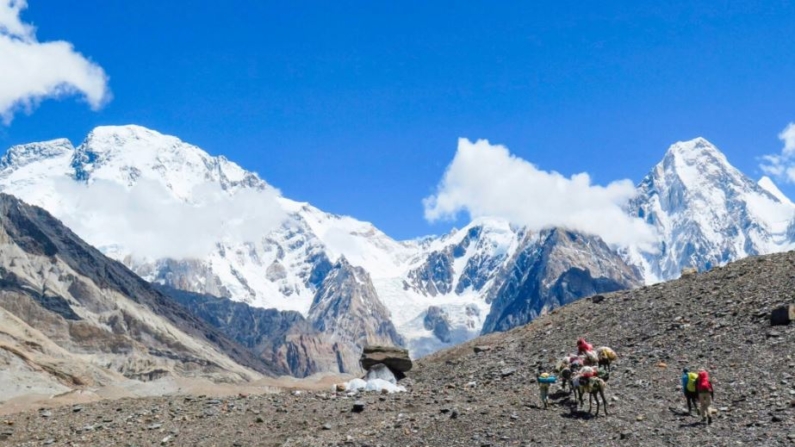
(438, 290)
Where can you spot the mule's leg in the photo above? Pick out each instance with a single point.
(590, 396)
(596, 398)
(602, 393)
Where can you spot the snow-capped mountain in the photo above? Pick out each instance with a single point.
(707, 212)
(103, 187)
(190, 221)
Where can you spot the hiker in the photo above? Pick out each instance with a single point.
(689, 389)
(544, 381)
(583, 346)
(705, 395)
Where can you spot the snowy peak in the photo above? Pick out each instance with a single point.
(706, 212)
(25, 154)
(127, 154)
(695, 151)
(696, 164)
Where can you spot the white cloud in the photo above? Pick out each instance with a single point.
(782, 166)
(486, 180)
(32, 71)
(149, 222)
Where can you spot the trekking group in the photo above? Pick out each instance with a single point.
(588, 371)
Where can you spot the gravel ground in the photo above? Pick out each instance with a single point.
(718, 320)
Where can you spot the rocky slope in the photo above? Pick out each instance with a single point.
(718, 320)
(554, 268)
(73, 318)
(346, 315)
(347, 311)
(283, 339)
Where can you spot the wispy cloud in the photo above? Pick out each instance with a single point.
(782, 166)
(32, 70)
(147, 221)
(487, 180)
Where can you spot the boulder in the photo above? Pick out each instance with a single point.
(396, 359)
(689, 272)
(782, 315)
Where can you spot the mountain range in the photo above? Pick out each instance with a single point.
(228, 246)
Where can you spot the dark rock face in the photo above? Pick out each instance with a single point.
(435, 276)
(436, 320)
(552, 269)
(479, 269)
(346, 309)
(321, 266)
(38, 235)
(53, 303)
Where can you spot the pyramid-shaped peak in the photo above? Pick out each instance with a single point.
(695, 147)
(699, 154)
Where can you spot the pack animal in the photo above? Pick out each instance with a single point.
(606, 357)
(595, 387)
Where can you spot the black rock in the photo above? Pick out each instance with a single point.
(508, 372)
(782, 316)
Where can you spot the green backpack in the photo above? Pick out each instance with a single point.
(691, 382)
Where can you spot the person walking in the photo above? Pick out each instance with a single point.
(705, 395)
(689, 380)
(544, 381)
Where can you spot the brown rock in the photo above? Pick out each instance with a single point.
(397, 359)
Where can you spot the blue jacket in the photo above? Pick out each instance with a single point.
(684, 383)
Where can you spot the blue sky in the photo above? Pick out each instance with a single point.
(357, 107)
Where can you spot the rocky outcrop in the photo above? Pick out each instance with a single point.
(435, 276)
(346, 309)
(97, 316)
(553, 268)
(436, 320)
(395, 358)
